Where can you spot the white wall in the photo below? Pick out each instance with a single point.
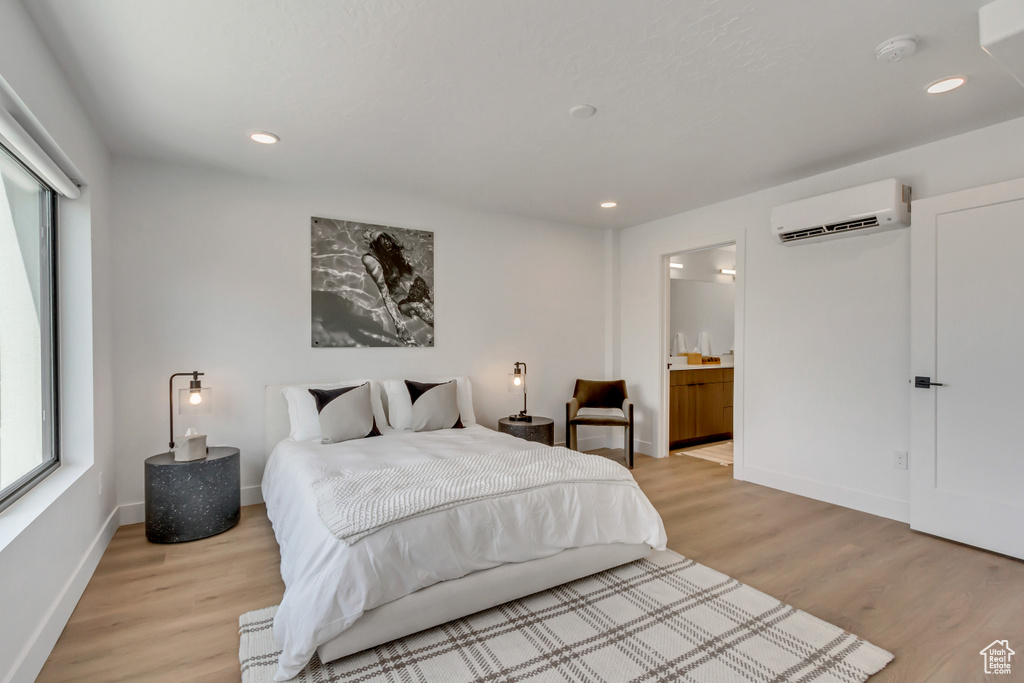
(52, 538)
(213, 274)
(826, 326)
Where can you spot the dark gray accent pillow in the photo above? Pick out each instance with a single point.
(345, 413)
(434, 406)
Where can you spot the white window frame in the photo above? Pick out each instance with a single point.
(49, 342)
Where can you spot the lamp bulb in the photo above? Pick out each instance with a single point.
(517, 380)
(195, 398)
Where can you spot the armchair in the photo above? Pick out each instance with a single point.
(609, 395)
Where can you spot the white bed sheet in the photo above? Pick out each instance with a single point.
(329, 585)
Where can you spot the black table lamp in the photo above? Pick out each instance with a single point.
(516, 385)
(195, 396)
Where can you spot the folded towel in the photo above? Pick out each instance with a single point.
(704, 343)
(678, 344)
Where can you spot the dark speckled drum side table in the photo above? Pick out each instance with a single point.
(540, 429)
(186, 501)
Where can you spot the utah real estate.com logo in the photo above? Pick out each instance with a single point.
(997, 657)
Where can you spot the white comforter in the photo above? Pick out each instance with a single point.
(328, 585)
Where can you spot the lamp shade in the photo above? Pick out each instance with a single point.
(517, 383)
(195, 401)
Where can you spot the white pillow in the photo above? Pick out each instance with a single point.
(434, 406)
(347, 413)
(400, 405)
(302, 414)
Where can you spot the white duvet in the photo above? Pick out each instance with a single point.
(328, 585)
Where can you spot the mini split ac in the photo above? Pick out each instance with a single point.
(874, 207)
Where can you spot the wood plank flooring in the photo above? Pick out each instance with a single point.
(170, 613)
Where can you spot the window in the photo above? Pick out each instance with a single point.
(29, 448)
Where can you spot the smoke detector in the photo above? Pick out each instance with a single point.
(895, 49)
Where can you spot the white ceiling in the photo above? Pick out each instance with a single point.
(466, 102)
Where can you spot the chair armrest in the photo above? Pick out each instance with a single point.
(627, 409)
(572, 406)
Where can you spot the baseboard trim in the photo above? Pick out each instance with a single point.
(135, 513)
(33, 657)
(890, 508)
(252, 495)
(592, 443)
(645, 447)
(131, 513)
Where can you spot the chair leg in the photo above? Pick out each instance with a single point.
(629, 436)
(630, 428)
(627, 447)
(571, 430)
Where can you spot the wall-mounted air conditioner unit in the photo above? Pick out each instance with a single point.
(1001, 29)
(874, 207)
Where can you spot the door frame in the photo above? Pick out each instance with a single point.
(667, 251)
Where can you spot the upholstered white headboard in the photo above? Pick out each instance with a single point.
(275, 420)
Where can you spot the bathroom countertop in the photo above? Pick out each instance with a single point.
(681, 364)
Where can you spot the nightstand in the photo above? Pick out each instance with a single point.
(186, 501)
(540, 429)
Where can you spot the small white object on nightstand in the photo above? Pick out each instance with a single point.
(190, 447)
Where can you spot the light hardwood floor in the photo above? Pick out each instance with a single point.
(169, 613)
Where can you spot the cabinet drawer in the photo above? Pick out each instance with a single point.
(706, 376)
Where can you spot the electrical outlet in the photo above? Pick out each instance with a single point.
(900, 460)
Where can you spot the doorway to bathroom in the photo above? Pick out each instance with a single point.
(701, 343)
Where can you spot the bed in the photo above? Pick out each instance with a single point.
(342, 598)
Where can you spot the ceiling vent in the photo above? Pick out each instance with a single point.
(862, 210)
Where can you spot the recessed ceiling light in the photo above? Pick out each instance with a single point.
(946, 84)
(676, 265)
(608, 205)
(727, 271)
(264, 138)
(583, 111)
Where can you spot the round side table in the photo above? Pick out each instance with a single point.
(186, 501)
(540, 429)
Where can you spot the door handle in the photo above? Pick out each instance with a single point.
(926, 383)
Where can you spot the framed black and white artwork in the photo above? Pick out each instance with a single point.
(373, 285)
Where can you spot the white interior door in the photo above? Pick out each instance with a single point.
(967, 298)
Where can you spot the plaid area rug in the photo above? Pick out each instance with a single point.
(658, 619)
